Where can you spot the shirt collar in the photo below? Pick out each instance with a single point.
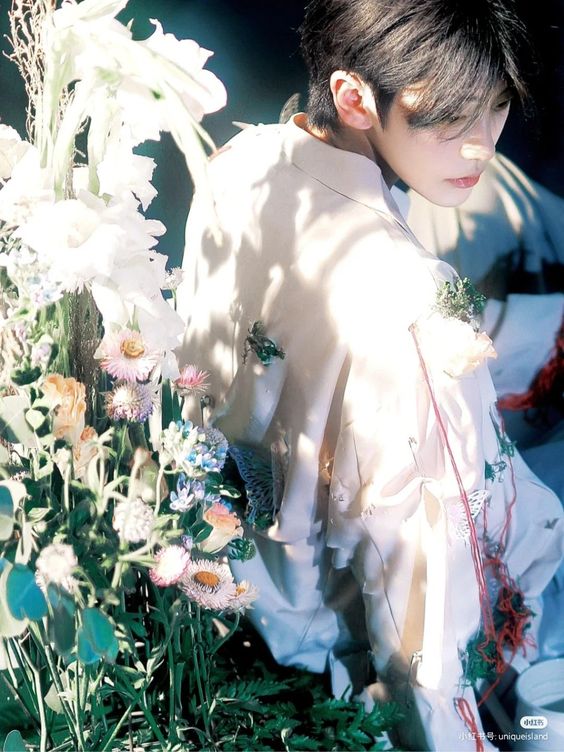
(352, 175)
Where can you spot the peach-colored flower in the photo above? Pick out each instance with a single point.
(84, 451)
(453, 346)
(67, 397)
(226, 526)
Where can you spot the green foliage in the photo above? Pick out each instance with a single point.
(62, 629)
(13, 425)
(295, 712)
(14, 742)
(6, 514)
(24, 597)
(96, 637)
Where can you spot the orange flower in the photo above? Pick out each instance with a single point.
(67, 397)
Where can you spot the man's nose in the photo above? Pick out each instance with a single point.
(479, 143)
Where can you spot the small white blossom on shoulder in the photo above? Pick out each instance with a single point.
(133, 520)
(453, 346)
(55, 565)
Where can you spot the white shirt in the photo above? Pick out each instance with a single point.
(314, 246)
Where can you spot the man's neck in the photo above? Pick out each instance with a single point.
(349, 139)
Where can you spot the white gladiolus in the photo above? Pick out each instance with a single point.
(30, 186)
(12, 149)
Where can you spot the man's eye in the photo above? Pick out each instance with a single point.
(502, 104)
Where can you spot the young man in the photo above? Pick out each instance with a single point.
(394, 521)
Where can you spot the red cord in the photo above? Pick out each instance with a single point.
(465, 712)
(485, 605)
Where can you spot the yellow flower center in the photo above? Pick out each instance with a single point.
(132, 348)
(209, 579)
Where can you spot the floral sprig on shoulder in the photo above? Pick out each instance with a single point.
(450, 334)
(460, 300)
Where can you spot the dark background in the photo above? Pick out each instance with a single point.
(257, 58)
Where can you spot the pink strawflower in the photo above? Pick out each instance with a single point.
(170, 565)
(130, 401)
(192, 381)
(209, 584)
(125, 356)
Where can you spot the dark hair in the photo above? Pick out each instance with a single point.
(459, 50)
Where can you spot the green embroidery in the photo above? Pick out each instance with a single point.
(263, 347)
(494, 471)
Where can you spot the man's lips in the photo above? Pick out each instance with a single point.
(467, 182)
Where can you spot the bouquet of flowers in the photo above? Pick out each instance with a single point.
(115, 520)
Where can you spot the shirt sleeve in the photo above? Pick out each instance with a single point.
(392, 438)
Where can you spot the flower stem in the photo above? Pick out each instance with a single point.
(42, 644)
(199, 667)
(139, 699)
(116, 729)
(223, 640)
(39, 696)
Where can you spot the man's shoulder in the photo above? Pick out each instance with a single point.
(256, 147)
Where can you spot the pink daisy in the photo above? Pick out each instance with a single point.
(170, 565)
(126, 357)
(192, 381)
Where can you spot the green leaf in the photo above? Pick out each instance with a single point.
(86, 652)
(167, 405)
(25, 375)
(35, 418)
(53, 700)
(25, 599)
(96, 637)
(14, 742)
(9, 626)
(201, 531)
(62, 629)
(13, 426)
(6, 514)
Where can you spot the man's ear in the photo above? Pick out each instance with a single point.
(353, 100)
